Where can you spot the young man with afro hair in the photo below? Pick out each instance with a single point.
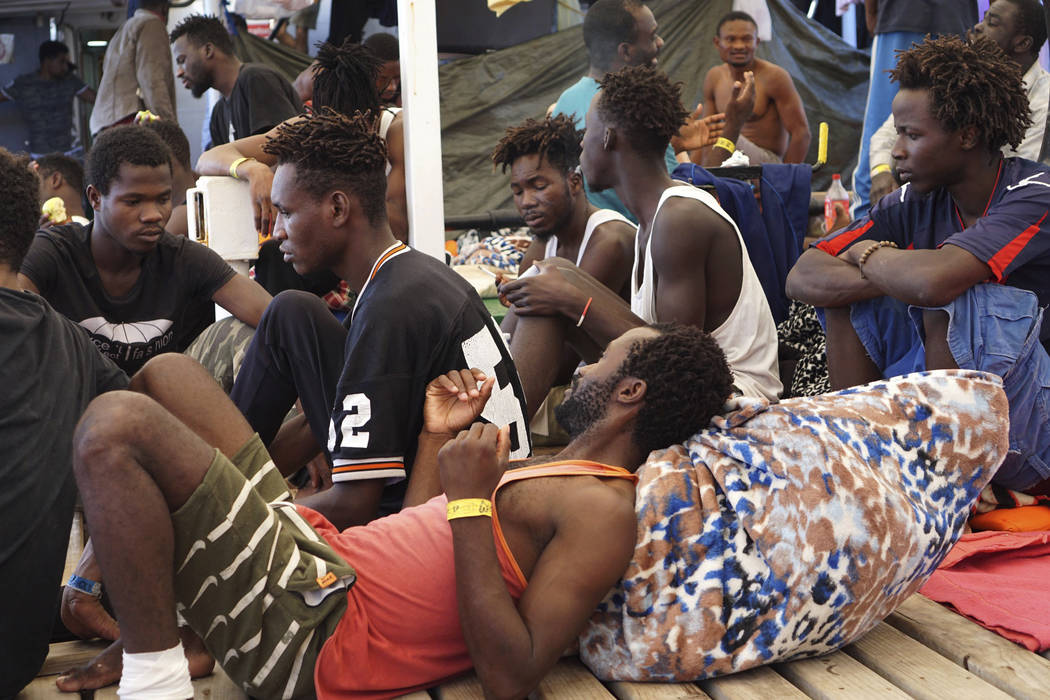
(50, 371)
(690, 263)
(953, 269)
(135, 288)
(292, 607)
(545, 181)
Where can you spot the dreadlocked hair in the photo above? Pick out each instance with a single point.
(687, 382)
(345, 78)
(331, 151)
(970, 84)
(555, 139)
(645, 103)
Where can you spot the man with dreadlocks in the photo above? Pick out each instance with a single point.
(970, 227)
(690, 263)
(344, 80)
(544, 158)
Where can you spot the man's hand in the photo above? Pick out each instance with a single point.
(83, 614)
(260, 182)
(742, 104)
(547, 293)
(698, 132)
(453, 400)
(471, 465)
(881, 185)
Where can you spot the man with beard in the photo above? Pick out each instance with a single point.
(255, 97)
(403, 602)
(545, 179)
(764, 115)
(135, 288)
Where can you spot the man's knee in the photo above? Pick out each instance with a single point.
(112, 423)
(294, 304)
(164, 369)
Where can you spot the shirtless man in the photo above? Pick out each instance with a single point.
(691, 265)
(764, 115)
(406, 601)
(548, 190)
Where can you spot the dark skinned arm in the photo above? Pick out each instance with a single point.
(396, 195)
(710, 107)
(610, 254)
(738, 110)
(941, 275)
(871, 14)
(533, 254)
(680, 249)
(823, 280)
(514, 646)
(244, 298)
(792, 116)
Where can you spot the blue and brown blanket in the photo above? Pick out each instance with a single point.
(791, 529)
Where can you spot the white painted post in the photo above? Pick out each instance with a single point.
(417, 32)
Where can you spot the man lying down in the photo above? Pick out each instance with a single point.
(290, 607)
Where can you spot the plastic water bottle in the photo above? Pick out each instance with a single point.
(837, 194)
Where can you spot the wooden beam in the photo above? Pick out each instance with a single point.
(836, 676)
(916, 669)
(1007, 666)
(624, 690)
(760, 683)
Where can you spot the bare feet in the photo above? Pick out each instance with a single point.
(105, 668)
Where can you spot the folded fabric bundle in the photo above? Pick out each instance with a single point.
(791, 529)
(998, 579)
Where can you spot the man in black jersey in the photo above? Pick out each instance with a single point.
(361, 386)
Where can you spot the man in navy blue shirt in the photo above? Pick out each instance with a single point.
(953, 269)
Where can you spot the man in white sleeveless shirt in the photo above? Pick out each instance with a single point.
(544, 158)
(690, 266)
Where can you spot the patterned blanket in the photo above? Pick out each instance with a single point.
(789, 530)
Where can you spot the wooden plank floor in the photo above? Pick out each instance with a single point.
(923, 650)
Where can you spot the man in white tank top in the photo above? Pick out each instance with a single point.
(690, 266)
(543, 158)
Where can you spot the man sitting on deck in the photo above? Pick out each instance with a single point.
(426, 598)
(690, 266)
(137, 289)
(361, 385)
(544, 159)
(910, 286)
(50, 371)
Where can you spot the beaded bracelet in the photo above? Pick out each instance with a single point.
(871, 249)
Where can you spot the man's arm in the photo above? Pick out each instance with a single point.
(514, 646)
(217, 161)
(792, 115)
(244, 298)
(153, 70)
(821, 279)
(940, 275)
(87, 94)
(871, 14)
(680, 249)
(396, 195)
(610, 254)
(738, 110)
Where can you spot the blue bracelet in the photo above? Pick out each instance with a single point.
(85, 585)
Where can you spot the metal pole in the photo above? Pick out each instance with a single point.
(417, 31)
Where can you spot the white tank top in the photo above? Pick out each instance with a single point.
(593, 221)
(748, 336)
(386, 118)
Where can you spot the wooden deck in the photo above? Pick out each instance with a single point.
(922, 651)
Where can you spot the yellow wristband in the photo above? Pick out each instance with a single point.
(725, 144)
(469, 508)
(234, 165)
(881, 168)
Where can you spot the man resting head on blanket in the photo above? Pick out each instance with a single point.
(290, 607)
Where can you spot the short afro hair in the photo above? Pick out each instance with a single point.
(734, 16)
(687, 382)
(1031, 22)
(130, 144)
(21, 213)
(70, 169)
(50, 49)
(345, 78)
(645, 103)
(607, 24)
(173, 135)
(385, 46)
(555, 139)
(330, 150)
(970, 84)
(204, 29)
